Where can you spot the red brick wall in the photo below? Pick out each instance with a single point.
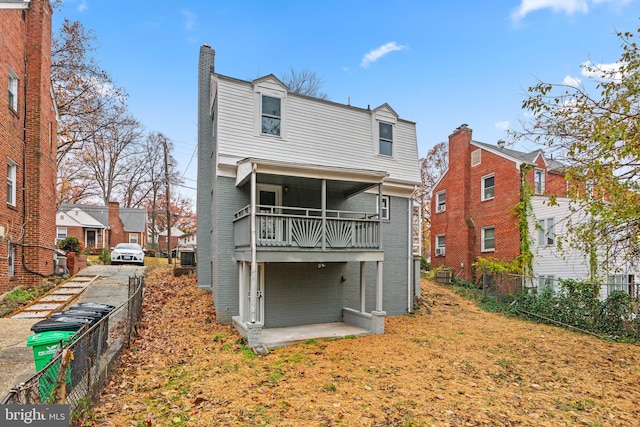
(466, 213)
(116, 227)
(30, 224)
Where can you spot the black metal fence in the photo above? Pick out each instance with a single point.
(88, 357)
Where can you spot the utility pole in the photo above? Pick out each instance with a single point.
(166, 175)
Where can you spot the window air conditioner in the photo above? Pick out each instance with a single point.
(441, 208)
(439, 251)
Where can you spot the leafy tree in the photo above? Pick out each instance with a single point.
(432, 167)
(305, 82)
(592, 127)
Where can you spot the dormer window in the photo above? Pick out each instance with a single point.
(538, 181)
(271, 115)
(386, 139)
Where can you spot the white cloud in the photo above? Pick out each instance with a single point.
(602, 71)
(572, 81)
(379, 52)
(189, 19)
(82, 4)
(569, 7)
(503, 125)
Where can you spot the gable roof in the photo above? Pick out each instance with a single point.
(133, 219)
(520, 157)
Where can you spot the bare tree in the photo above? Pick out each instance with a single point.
(305, 82)
(432, 167)
(84, 92)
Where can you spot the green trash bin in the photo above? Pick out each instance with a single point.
(45, 345)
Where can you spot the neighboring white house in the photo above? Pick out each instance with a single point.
(305, 207)
(188, 240)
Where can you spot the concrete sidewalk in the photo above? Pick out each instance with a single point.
(16, 359)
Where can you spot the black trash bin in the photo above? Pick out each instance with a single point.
(101, 308)
(61, 323)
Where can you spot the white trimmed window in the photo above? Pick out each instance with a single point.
(13, 90)
(12, 172)
(385, 202)
(488, 187)
(385, 137)
(546, 232)
(476, 157)
(61, 233)
(538, 181)
(441, 201)
(133, 237)
(545, 281)
(271, 112)
(488, 239)
(440, 245)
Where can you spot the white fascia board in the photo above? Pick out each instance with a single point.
(19, 4)
(497, 152)
(435, 185)
(303, 170)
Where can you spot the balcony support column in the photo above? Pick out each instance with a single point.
(363, 287)
(253, 291)
(379, 286)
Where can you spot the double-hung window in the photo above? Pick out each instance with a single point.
(440, 245)
(271, 115)
(12, 169)
(546, 232)
(13, 90)
(488, 187)
(538, 181)
(441, 201)
(386, 139)
(61, 233)
(488, 239)
(384, 208)
(133, 237)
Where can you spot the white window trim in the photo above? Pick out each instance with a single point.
(262, 114)
(441, 207)
(440, 250)
(545, 231)
(392, 140)
(12, 168)
(135, 238)
(542, 181)
(14, 83)
(482, 187)
(483, 238)
(274, 90)
(386, 210)
(66, 233)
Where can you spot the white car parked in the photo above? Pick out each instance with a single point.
(127, 253)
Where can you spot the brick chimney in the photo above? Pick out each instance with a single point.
(116, 227)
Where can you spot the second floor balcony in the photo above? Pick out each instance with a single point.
(289, 228)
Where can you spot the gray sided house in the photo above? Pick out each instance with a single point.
(305, 207)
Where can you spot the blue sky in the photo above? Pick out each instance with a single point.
(437, 63)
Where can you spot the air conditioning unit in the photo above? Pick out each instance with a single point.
(439, 251)
(441, 208)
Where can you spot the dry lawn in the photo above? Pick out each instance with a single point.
(450, 364)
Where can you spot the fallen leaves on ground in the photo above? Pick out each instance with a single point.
(449, 364)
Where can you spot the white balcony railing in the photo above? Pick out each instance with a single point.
(289, 227)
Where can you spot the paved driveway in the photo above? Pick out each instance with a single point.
(16, 359)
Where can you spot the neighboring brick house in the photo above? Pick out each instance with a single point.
(473, 212)
(100, 227)
(28, 128)
(301, 201)
(163, 238)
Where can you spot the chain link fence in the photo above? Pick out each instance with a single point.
(78, 371)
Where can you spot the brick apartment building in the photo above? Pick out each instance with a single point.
(28, 128)
(473, 203)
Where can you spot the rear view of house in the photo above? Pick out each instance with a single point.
(28, 127)
(305, 207)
